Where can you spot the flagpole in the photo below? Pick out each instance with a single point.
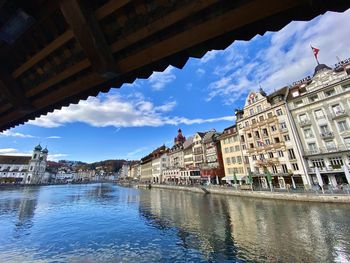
(315, 55)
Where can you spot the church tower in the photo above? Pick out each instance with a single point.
(37, 165)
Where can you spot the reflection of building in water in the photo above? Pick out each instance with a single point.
(190, 214)
(225, 228)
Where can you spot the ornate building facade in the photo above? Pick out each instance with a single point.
(24, 169)
(269, 141)
(320, 106)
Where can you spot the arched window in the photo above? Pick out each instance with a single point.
(35, 156)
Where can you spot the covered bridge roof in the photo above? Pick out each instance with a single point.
(54, 53)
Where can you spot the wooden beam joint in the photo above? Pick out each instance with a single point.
(87, 32)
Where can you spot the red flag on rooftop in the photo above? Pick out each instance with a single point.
(315, 51)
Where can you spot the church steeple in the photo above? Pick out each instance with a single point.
(179, 138)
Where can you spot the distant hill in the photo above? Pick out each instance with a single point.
(111, 166)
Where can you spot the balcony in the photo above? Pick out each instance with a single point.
(327, 135)
(339, 114)
(329, 169)
(339, 148)
(305, 122)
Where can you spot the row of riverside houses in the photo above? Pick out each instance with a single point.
(284, 138)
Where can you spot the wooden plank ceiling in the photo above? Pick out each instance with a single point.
(54, 53)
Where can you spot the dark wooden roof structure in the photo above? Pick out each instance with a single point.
(57, 52)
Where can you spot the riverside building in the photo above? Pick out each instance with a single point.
(24, 169)
(269, 142)
(232, 156)
(320, 106)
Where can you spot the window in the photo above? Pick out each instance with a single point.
(233, 159)
(324, 129)
(269, 115)
(279, 112)
(303, 117)
(242, 138)
(329, 93)
(319, 114)
(284, 168)
(228, 160)
(262, 157)
(254, 157)
(259, 108)
(347, 142)
(256, 169)
(251, 145)
(246, 160)
(237, 148)
(286, 138)
(318, 163)
(34, 156)
(313, 98)
(251, 111)
(249, 135)
(257, 134)
(346, 87)
(274, 169)
(336, 162)
(283, 125)
(312, 147)
(267, 142)
(280, 153)
(231, 149)
(343, 126)
(243, 147)
(239, 159)
(308, 133)
(273, 128)
(265, 133)
(337, 109)
(253, 121)
(298, 103)
(330, 145)
(246, 124)
(291, 154)
(261, 118)
(270, 154)
(295, 166)
(277, 140)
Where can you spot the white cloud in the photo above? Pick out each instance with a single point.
(54, 137)
(9, 133)
(158, 80)
(210, 55)
(56, 156)
(286, 58)
(16, 152)
(117, 111)
(11, 151)
(200, 72)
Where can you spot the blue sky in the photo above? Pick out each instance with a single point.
(131, 121)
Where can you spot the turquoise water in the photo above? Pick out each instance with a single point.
(107, 223)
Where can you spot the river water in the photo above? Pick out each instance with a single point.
(108, 223)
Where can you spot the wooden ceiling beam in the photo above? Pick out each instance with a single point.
(87, 32)
(10, 92)
(248, 13)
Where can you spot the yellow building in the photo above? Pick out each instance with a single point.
(232, 154)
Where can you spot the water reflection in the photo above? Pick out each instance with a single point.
(226, 228)
(107, 223)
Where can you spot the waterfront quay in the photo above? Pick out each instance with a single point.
(301, 196)
(104, 222)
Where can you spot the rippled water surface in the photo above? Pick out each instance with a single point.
(107, 223)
